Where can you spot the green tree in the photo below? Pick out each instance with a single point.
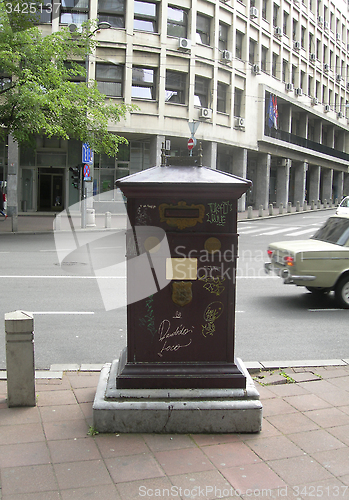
(37, 93)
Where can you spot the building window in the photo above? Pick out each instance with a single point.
(45, 13)
(203, 29)
(5, 82)
(237, 101)
(285, 23)
(177, 22)
(74, 11)
(264, 9)
(238, 45)
(201, 92)
(274, 65)
(109, 79)
(311, 43)
(303, 30)
(143, 83)
(294, 30)
(145, 16)
(223, 37)
(222, 97)
(175, 87)
(252, 51)
(112, 12)
(284, 70)
(264, 59)
(275, 14)
(76, 72)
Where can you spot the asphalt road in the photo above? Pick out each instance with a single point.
(273, 321)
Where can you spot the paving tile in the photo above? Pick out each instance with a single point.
(335, 397)
(86, 395)
(327, 372)
(45, 495)
(160, 442)
(293, 422)
(52, 398)
(59, 413)
(282, 493)
(65, 429)
(184, 460)
(287, 390)
(207, 485)
(313, 441)
(307, 402)
(230, 455)
(83, 474)
(210, 439)
(272, 448)
(252, 477)
(298, 470)
(133, 468)
(326, 490)
(21, 433)
(276, 406)
(15, 455)
(84, 380)
(13, 416)
(116, 445)
(87, 410)
(92, 493)
(345, 409)
(328, 417)
(267, 430)
(70, 450)
(31, 478)
(42, 385)
(335, 461)
(265, 392)
(341, 432)
(341, 382)
(158, 487)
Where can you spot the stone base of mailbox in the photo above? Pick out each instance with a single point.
(174, 411)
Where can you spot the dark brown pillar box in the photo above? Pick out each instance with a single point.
(181, 268)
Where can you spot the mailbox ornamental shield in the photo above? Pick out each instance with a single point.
(182, 293)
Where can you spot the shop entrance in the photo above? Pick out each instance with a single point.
(50, 192)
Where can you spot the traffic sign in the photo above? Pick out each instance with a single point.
(87, 176)
(190, 143)
(87, 153)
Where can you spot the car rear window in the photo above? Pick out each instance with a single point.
(335, 230)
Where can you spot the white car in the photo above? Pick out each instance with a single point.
(321, 263)
(343, 208)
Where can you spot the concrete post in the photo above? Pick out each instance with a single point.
(314, 183)
(300, 177)
(327, 182)
(283, 184)
(271, 209)
(249, 212)
(155, 150)
(19, 328)
(107, 219)
(263, 180)
(240, 169)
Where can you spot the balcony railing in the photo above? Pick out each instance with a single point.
(305, 143)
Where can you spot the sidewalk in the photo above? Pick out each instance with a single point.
(49, 452)
(37, 222)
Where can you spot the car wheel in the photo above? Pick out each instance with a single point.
(342, 292)
(315, 290)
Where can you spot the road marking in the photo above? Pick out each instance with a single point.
(277, 231)
(65, 277)
(325, 310)
(251, 231)
(62, 312)
(304, 231)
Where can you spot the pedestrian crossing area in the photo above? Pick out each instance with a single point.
(302, 230)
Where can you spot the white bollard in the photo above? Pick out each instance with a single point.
(260, 213)
(281, 208)
(90, 217)
(107, 219)
(249, 212)
(289, 207)
(271, 209)
(298, 206)
(19, 328)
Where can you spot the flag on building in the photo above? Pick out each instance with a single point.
(273, 112)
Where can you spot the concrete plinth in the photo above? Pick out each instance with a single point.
(173, 411)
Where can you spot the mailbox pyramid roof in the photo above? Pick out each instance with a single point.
(183, 179)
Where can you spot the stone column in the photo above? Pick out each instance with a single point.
(327, 180)
(338, 184)
(19, 328)
(209, 155)
(346, 185)
(282, 184)
(300, 177)
(240, 169)
(12, 182)
(155, 150)
(263, 180)
(314, 183)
